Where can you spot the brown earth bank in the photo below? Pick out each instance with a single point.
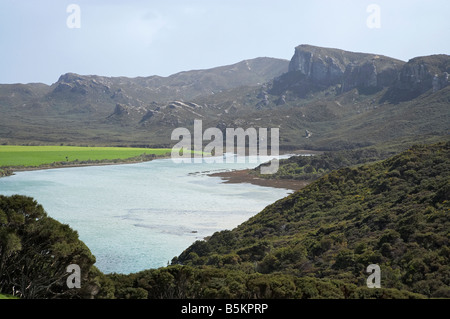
(244, 176)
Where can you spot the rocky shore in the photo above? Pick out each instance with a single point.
(5, 172)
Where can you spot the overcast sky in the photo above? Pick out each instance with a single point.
(142, 38)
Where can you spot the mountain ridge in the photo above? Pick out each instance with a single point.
(330, 93)
(217, 78)
(348, 70)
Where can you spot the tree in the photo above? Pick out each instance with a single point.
(35, 251)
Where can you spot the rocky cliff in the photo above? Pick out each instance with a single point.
(328, 66)
(320, 65)
(315, 68)
(425, 73)
(419, 75)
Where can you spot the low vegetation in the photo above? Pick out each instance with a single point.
(35, 251)
(313, 167)
(392, 213)
(5, 172)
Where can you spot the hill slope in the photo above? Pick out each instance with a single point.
(393, 213)
(82, 109)
(343, 99)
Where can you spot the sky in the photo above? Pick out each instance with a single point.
(41, 40)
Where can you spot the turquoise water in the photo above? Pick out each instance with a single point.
(139, 216)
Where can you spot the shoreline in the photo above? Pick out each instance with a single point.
(26, 169)
(244, 176)
(229, 177)
(13, 169)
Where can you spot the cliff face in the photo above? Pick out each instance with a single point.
(424, 73)
(418, 76)
(325, 66)
(377, 72)
(313, 68)
(317, 65)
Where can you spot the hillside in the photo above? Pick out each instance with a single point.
(35, 251)
(307, 168)
(92, 109)
(392, 213)
(344, 100)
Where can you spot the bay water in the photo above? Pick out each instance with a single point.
(139, 216)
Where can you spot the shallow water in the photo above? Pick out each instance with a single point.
(139, 216)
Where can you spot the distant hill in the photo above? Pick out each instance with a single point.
(184, 86)
(77, 108)
(344, 100)
(98, 91)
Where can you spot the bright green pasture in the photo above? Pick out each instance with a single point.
(37, 155)
(7, 297)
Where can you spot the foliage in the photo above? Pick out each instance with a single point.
(392, 213)
(313, 167)
(35, 251)
(206, 282)
(5, 172)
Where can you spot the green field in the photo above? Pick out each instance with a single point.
(7, 297)
(11, 155)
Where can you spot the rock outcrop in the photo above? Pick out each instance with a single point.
(440, 81)
(5, 172)
(326, 66)
(424, 73)
(121, 109)
(418, 76)
(314, 69)
(81, 84)
(321, 65)
(374, 72)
